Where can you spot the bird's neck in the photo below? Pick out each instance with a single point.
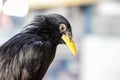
(45, 32)
(49, 35)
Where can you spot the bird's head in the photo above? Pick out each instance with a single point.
(62, 30)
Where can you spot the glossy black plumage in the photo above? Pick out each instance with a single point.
(27, 55)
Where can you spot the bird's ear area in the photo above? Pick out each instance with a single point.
(63, 28)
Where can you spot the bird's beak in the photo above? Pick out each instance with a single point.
(70, 43)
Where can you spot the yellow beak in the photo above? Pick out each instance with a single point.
(70, 44)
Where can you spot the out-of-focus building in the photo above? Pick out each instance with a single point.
(101, 47)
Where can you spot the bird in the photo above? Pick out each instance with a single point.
(29, 53)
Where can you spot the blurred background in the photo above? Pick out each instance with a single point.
(96, 32)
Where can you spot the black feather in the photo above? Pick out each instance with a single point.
(27, 55)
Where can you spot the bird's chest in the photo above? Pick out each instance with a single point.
(49, 54)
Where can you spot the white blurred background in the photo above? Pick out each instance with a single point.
(96, 31)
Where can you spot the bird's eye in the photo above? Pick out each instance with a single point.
(62, 28)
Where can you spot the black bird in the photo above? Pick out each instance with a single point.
(28, 54)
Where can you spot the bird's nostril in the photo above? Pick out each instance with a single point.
(69, 34)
